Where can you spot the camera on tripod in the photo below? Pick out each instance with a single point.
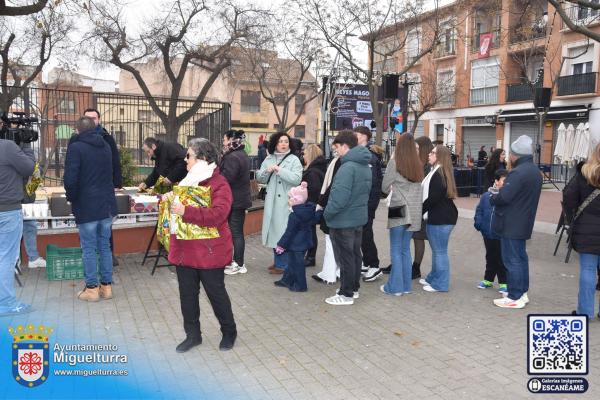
(18, 128)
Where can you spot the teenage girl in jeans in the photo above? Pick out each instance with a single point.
(440, 215)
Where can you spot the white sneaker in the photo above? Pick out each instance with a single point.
(428, 288)
(382, 289)
(339, 300)
(506, 302)
(234, 268)
(372, 274)
(423, 282)
(38, 263)
(355, 295)
(525, 298)
(363, 269)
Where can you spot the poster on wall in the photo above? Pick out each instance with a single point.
(485, 45)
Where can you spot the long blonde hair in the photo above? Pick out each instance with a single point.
(591, 169)
(444, 160)
(311, 152)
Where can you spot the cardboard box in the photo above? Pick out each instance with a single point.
(125, 219)
(144, 204)
(63, 223)
(59, 207)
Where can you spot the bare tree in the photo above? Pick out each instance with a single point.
(25, 9)
(573, 23)
(174, 42)
(284, 60)
(386, 28)
(26, 45)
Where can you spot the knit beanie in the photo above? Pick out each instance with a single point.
(299, 194)
(523, 146)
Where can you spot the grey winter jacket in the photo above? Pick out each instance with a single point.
(16, 164)
(404, 193)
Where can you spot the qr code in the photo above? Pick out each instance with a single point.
(557, 344)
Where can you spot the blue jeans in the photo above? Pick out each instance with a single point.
(588, 267)
(11, 227)
(95, 246)
(438, 236)
(30, 239)
(516, 262)
(400, 280)
(280, 260)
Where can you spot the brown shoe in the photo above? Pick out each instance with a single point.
(276, 271)
(106, 291)
(89, 294)
(271, 267)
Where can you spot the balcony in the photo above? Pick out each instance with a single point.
(486, 95)
(519, 35)
(476, 40)
(521, 92)
(445, 49)
(582, 15)
(577, 84)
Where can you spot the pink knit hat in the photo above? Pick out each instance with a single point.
(299, 194)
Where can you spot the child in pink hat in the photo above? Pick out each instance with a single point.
(297, 238)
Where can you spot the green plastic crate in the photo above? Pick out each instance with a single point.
(63, 263)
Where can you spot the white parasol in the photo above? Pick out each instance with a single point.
(575, 155)
(560, 143)
(569, 143)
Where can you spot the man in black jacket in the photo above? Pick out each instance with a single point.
(169, 162)
(370, 257)
(516, 206)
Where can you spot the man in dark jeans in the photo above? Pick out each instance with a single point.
(516, 206)
(370, 258)
(347, 212)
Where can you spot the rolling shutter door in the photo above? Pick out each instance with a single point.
(476, 136)
(420, 131)
(524, 128)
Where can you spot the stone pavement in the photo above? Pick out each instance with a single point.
(454, 345)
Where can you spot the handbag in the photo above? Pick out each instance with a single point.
(397, 212)
(262, 193)
(582, 207)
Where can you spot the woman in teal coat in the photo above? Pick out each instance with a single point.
(280, 171)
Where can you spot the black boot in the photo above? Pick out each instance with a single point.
(188, 343)
(227, 341)
(309, 262)
(416, 270)
(387, 269)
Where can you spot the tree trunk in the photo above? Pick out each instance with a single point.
(172, 130)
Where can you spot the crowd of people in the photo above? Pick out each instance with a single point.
(303, 190)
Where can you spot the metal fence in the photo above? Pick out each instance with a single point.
(129, 118)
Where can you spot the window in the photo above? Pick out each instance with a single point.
(414, 89)
(299, 131)
(299, 103)
(439, 132)
(447, 44)
(445, 88)
(250, 101)
(535, 69)
(582, 60)
(144, 115)
(66, 106)
(412, 46)
(280, 98)
(587, 15)
(484, 81)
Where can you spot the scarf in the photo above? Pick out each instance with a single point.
(329, 175)
(279, 156)
(425, 185)
(200, 172)
(234, 144)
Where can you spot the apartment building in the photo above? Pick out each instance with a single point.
(485, 68)
(238, 87)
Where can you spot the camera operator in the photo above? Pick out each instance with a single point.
(16, 164)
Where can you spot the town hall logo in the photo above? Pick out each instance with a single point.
(30, 354)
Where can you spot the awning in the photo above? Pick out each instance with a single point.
(554, 114)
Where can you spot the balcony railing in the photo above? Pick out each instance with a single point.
(577, 84)
(521, 92)
(487, 95)
(519, 35)
(582, 15)
(476, 40)
(445, 50)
